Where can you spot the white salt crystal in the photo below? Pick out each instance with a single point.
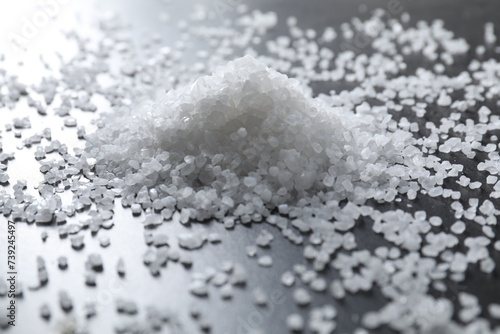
(250, 182)
(249, 145)
(120, 267)
(4, 177)
(62, 262)
(65, 301)
(136, 209)
(226, 291)
(301, 297)
(288, 278)
(260, 297)
(458, 227)
(70, 122)
(239, 275)
(318, 284)
(469, 314)
(214, 237)
(435, 221)
(264, 239)
(45, 311)
(295, 322)
(90, 278)
(44, 216)
(475, 185)
(77, 241)
(104, 241)
(488, 231)
(190, 241)
(198, 288)
(494, 310)
(489, 33)
(95, 261)
(251, 251)
(220, 279)
(265, 261)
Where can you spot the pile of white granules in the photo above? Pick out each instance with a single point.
(237, 136)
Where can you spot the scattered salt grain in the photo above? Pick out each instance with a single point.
(190, 241)
(337, 289)
(295, 322)
(104, 241)
(120, 267)
(288, 278)
(489, 33)
(199, 288)
(77, 241)
(251, 251)
(65, 301)
(90, 278)
(264, 239)
(494, 310)
(318, 284)
(260, 297)
(214, 238)
(226, 291)
(458, 227)
(288, 153)
(70, 122)
(62, 262)
(95, 262)
(45, 311)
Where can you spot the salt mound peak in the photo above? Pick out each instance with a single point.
(244, 136)
(252, 115)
